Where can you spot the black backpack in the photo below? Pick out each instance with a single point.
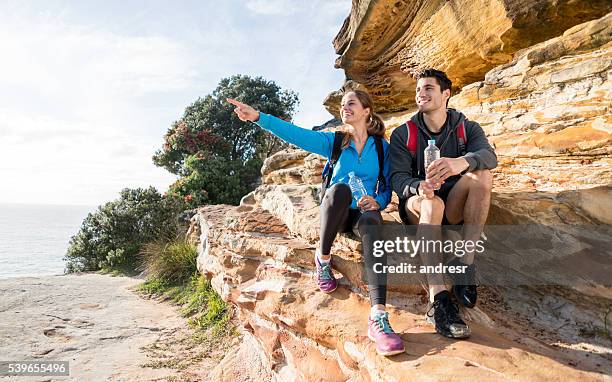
(328, 170)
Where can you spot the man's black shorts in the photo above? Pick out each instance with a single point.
(443, 192)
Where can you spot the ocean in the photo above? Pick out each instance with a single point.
(34, 238)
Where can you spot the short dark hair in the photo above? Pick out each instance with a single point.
(440, 76)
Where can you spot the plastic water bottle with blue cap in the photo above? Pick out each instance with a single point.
(431, 154)
(357, 187)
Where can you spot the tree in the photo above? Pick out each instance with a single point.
(218, 156)
(111, 237)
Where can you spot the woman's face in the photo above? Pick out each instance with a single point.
(351, 109)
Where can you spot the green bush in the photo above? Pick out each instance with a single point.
(111, 237)
(216, 181)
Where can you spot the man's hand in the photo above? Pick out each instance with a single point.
(442, 168)
(426, 189)
(368, 203)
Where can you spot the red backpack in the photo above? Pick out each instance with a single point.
(413, 134)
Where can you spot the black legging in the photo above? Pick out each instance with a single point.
(336, 216)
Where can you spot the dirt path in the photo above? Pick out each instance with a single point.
(97, 323)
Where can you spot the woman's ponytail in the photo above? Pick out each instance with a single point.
(376, 126)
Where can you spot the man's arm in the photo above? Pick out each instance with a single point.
(480, 155)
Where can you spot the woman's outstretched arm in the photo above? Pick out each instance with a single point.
(317, 142)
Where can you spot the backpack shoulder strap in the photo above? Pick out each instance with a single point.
(381, 163)
(328, 170)
(462, 138)
(413, 134)
(337, 148)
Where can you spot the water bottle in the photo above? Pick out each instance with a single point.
(431, 154)
(356, 186)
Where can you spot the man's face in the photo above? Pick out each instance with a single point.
(428, 96)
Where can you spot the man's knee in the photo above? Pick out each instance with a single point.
(481, 179)
(434, 205)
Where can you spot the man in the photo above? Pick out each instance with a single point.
(457, 189)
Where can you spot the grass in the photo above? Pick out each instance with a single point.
(210, 335)
(172, 259)
(170, 267)
(199, 302)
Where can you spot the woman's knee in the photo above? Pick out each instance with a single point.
(370, 218)
(339, 193)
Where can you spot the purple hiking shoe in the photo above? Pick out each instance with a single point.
(387, 341)
(325, 277)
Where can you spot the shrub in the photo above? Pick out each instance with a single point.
(111, 237)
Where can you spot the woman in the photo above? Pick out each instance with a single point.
(339, 211)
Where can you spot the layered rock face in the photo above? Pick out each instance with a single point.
(547, 113)
(259, 256)
(542, 94)
(383, 43)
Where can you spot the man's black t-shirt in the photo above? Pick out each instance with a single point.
(440, 134)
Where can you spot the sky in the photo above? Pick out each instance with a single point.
(89, 88)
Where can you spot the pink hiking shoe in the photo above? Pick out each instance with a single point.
(387, 341)
(325, 277)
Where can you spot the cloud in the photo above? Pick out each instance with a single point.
(83, 164)
(49, 54)
(78, 117)
(290, 7)
(85, 101)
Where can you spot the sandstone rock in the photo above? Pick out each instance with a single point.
(248, 363)
(383, 43)
(284, 167)
(552, 100)
(329, 125)
(297, 206)
(552, 138)
(293, 166)
(266, 271)
(548, 114)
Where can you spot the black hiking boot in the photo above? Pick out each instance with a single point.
(465, 288)
(446, 317)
